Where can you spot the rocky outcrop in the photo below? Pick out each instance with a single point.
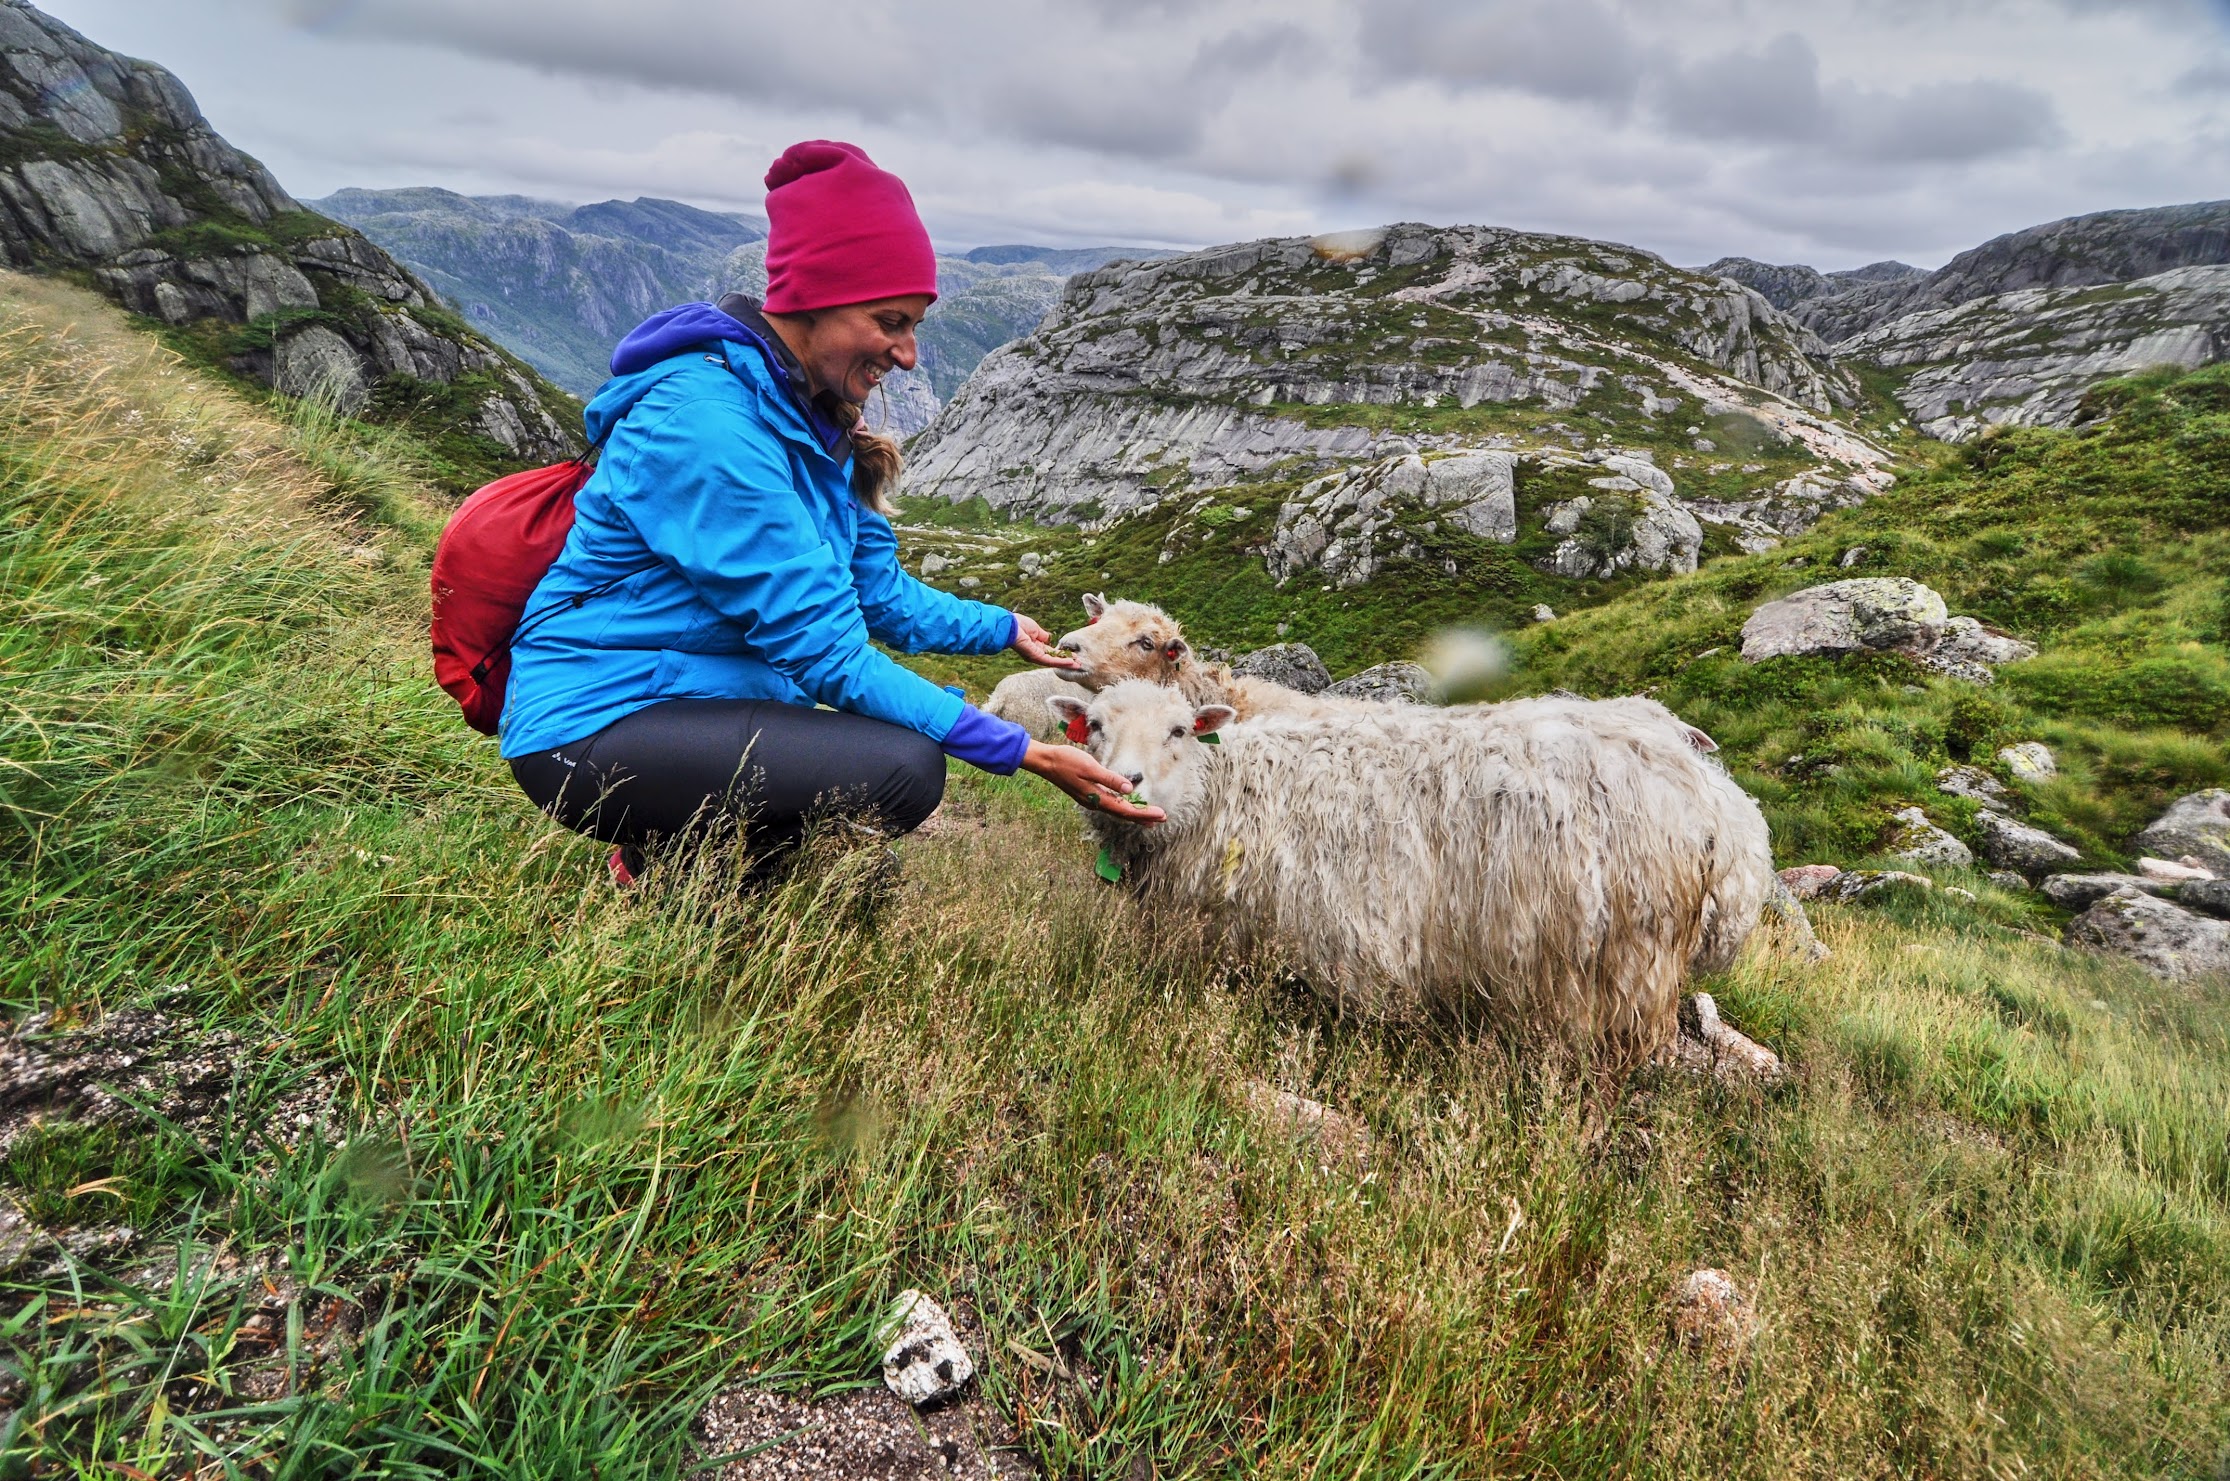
(2197, 826)
(1919, 841)
(1293, 665)
(1217, 367)
(2028, 358)
(1337, 524)
(1869, 614)
(2029, 852)
(107, 167)
(2163, 938)
(1634, 521)
(1397, 683)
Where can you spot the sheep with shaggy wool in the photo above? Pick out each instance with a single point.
(1549, 864)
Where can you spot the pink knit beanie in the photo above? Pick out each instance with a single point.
(840, 231)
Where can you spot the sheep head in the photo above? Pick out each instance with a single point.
(1126, 640)
(1151, 734)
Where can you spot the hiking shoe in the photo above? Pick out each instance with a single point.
(626, 865)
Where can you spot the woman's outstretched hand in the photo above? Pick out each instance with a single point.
(1036, 644)
(1072, 769)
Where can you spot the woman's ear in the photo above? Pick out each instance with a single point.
(1209, 719)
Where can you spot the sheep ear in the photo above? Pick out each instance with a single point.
(1067, 706)
(1094, 606)
(1173, 650)
(1703, 744)
(1209, 719)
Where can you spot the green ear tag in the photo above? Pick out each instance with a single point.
(1106, 868)
(1210, 739)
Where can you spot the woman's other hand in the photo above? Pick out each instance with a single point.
(1072, 769)
(1036, 644)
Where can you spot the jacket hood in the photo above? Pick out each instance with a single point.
(670, 332)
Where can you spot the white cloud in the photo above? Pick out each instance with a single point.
(1835, 132)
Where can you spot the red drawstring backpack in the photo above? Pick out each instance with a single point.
(492, 554)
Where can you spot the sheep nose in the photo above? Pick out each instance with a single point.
(1135, 778)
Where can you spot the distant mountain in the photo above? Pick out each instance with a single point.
(108, 169)
(2078, 252)
(559, 284)
(1786, 285)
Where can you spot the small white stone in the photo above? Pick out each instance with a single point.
(2164, 869)
(2030, 761)
(923, 1360)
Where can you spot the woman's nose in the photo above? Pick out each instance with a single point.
(906, 353)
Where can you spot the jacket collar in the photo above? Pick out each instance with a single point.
(742, 308)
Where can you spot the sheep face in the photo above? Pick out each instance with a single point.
(1151, 734)
(1126, 640)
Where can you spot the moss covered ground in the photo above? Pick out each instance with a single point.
(595, 1155)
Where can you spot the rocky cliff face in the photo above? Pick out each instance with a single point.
(2027, 358)
(107, 168)
(1282, 357)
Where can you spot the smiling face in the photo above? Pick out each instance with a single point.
(848, 350)
(1126, 640)
(1151, 734)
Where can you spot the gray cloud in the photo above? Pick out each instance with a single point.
(1555, 48)
(1837, 132)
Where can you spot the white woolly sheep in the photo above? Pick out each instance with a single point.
(1021, 698)
(1550, 864)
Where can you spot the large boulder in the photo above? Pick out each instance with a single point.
(2197, 826)
(1345, 524)
(2207, 896)
(2163, 938)
(1637, 523)
(2082, 891)
(1387, 683)
(1868, 614)
(1921, 842)
(1294, 665)
(2017, 846)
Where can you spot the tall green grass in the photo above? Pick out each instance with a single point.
(601, 1154)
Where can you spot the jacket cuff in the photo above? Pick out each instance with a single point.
(986, 743)
(1014, 629)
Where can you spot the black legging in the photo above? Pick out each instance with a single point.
(658, 776)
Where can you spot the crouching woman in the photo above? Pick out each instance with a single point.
(732, 557)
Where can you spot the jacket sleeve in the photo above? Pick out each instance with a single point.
(709, 490)
(911, 615)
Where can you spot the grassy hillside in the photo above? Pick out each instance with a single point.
(593, 1156)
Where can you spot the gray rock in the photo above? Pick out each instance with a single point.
(2163, 938)
(923, 1360)
(1655, 531)
(1972, 783)
(933, 564)
(2006, 879)
(2017, 846)
(1869, 613)
(1919, 841)
(1806, 881)
(1850, 558)
(2207, 896)
(1294, 665)
(1030, 564)
(1342, 523)
(1965, 638)
(2197, 825)
(1710, 1315)
(2030, 761)
(1387, 683)
(1853, 885)
(1543, 612)
(2081, 891)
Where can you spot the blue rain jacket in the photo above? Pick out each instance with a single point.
(757, 574)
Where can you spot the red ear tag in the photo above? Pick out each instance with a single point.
(1091, 622)
(1076, 730)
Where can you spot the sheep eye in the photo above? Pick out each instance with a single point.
(1146, 642)
(1176, 732)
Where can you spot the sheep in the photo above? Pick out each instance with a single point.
(1021, 698)
(1134, 640)
(1544, 863)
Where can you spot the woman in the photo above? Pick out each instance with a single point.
(732, 556)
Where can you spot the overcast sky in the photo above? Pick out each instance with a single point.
(1833, 132)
